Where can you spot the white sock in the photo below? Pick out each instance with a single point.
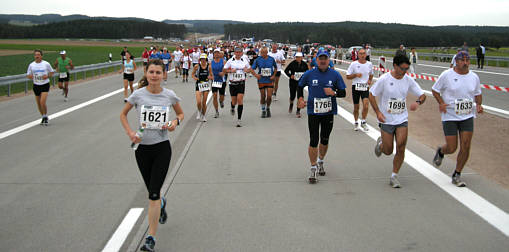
(319, 160)
(363, 120)
(314, 166)
(394, 175)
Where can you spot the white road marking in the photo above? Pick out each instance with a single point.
(476, 71)
(118, 238)
(477, 204)
(429, 74)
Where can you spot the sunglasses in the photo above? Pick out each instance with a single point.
(404, 69)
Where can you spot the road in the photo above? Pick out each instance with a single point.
(69, 185)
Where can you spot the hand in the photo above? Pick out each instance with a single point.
(480, 109)
(171, 126)
(134, 138)
(301, 103)
(246, 70)
(329, 91)
(292, 77)
(380, 117)
(258, 76)
(272, 77)
(221, 74)
(413, 106)
(44, 77)
(195, 78)
(359, 75)
(369, 82)
(442, 107)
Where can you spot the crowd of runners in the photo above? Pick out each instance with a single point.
(216, 66)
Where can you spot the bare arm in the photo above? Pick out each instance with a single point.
(374, 105)
(123, 120)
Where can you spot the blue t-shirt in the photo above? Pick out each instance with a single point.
(216, 69)
(155, 56)
(316, 82)
(266, 64)
(314, 64)
(166, 56)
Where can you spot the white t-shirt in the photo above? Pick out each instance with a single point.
(452, 86)
(38, 70)
(453, 62)
(278, 56)
(185, 62)
(178, 55)
(389, 89)
(239, 65)
(195, 56)
(365, 69)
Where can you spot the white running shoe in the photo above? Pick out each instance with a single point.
(198, 116)
(364, 126)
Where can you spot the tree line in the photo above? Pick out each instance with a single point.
(97, 28)
(377, 34)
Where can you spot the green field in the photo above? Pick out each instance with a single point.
(80, 55)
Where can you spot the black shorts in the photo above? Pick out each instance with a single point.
(221, 90)
(320, 127)
(66, 79)
(197, 88)
(356, 95)
(153, 161)
(392, 128)
(129, 77)
(185, 71)
(278, 73)
(237, 88)
(451, 128)
(38, 89)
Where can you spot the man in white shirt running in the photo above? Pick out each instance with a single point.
(392, 89)
(280, 60)
(40, 71)
(458, 93)
(361, 74)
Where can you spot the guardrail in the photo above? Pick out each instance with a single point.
(442, 57)
(20, 78)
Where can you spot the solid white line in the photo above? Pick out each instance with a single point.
(61, 113)
(118, 238)
(476, 71)
(477, 204)
(430, 74)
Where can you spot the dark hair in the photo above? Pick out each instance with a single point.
(400, 59)
(144, 81)
(38, 50)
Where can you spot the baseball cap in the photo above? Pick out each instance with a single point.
(462, 54)
(321, 53)
(217, 50)
(203, 56)
(239, 49)
(62, 52)
(298, 54)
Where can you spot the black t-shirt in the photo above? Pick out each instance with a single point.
(252, 56)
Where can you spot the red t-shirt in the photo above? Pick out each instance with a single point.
(145, 55)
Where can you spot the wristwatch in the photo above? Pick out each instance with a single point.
(419, 101)
(178, 121)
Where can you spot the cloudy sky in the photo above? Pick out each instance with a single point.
(429, 12)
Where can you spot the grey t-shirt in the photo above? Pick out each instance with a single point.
(143, 97)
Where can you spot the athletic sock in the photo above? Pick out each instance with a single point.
(314, 166)
(263, 107)
(363, 121)
(394, 175)
(239, 111)
(319, 160)
(233, 106)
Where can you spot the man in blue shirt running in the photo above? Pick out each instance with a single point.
(267, 69)
(324, 85)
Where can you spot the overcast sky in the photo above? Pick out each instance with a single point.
(428, 12)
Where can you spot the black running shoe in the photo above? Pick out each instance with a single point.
(268, 113)
(149, 245)
(163, 216)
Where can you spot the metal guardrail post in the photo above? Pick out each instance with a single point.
(26, 86)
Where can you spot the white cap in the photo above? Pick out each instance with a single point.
(217, 50)
(62, 52)
(203, 56)
(298, 54)
(165, 48)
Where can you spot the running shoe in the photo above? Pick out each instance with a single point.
(164, 215)
(149, 245)
(232, 111)
(456, 179)
(378, 147)
(198, 116)
(125, 100)
(356, 127)
(298, 114)
(66, 99)
(394, 182)
(239, 123)
(321, 170)
(203, 118)
(274, 97)
(222, 104)
(268, 113)
(46, 121)
(312, 177)
(42, 121)
(264, 113)
(364, 126)
(437, 160)
(216, 115)
(290, 108)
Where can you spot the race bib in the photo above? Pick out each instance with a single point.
(165, 61)
(297, 75)
(186, 64)
(203, 86)
(145, 60)
(38, 78)
(396, 105)
(238, 76)
(63, 75)
(128, 70)
(154, 117)
(322, 105)
(217, 84)
(266, 72)
(361, 86)
(250, 57)
(463, 106)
